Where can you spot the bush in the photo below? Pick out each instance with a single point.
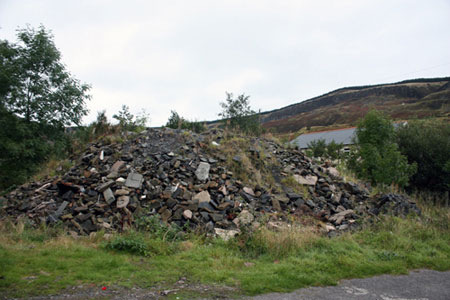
(175, 121)
(427, 144)
(238, 115)
(318, 147)
(376, 156)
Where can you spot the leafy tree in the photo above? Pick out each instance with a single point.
(38, 87)
(334, 150)
(238, 114)
(318, 147)
(427, 143)
(376, 156)
(175, 121)
(127, 121)
(38, 97)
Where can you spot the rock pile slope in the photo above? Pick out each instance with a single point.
(205, 181)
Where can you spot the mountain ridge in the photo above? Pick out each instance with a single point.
(412, 98)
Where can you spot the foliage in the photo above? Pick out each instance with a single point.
(38, 97)
(132, 243)
(38, 86)
(129, 122)
(318, 147)
(237, 114)
(299, 256)
(376, 156)
(175, 121)
(24, 146)
(334, 150)
(427, 143)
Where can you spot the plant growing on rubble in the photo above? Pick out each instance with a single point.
(237, 114)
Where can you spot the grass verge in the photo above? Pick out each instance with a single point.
(45, 261)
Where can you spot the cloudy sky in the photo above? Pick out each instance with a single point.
(184, 55)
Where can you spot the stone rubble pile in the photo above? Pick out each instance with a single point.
(185, 179)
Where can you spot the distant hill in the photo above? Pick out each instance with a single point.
(417, 98)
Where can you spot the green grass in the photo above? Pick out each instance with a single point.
(43, 261)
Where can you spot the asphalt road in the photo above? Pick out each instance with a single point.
(418, 285)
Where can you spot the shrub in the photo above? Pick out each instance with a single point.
(376, 156)
(175, 121)
(237, 114)
(427, 143)
(317, 147)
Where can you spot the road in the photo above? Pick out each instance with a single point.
(418, 285)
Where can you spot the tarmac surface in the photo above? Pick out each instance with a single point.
(417, 285)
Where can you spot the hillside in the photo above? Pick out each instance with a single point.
(418, 98)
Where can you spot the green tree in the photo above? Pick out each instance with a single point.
(318, 147)
(38, 97)
(39, 88)
(238, 114)
(334, 150)
(376, 156)
(427, 143)
(175, 121)
(127, 121)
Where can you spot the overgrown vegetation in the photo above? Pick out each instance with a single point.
(376, 156)
(238, 115)
(130, 122)
(319, 148)
(38, 97)
(175, 121)
(44, 261)
(427, 144)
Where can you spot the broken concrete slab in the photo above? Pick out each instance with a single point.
(202, 171)
(134, 180)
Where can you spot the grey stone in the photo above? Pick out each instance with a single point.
(225, 234)
(202, 171)
(109, 196)
(134, 180)
(105, 186)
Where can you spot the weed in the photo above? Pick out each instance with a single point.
(131, 243)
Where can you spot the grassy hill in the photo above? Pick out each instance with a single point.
(418, 98)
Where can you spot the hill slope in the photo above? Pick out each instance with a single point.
(418, 98)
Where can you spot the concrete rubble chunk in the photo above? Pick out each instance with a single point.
(105, 186)
(306, 180)
(134, 180)
(187, 214)
(244, 218)
(117, 166)
(249, 191)
(123, 201)
(225, 234)
(202, 171)
(109, 196)
(202, 197)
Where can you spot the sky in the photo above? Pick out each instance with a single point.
(185, 55)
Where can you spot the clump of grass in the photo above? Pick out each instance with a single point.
(131, 243)
(288, 239)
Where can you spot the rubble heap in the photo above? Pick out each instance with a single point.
(188, 180)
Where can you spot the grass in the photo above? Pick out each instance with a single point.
(45, 261)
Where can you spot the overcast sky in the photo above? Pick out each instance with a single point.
(184, 55)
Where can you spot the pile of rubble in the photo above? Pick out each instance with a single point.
(186, 179)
